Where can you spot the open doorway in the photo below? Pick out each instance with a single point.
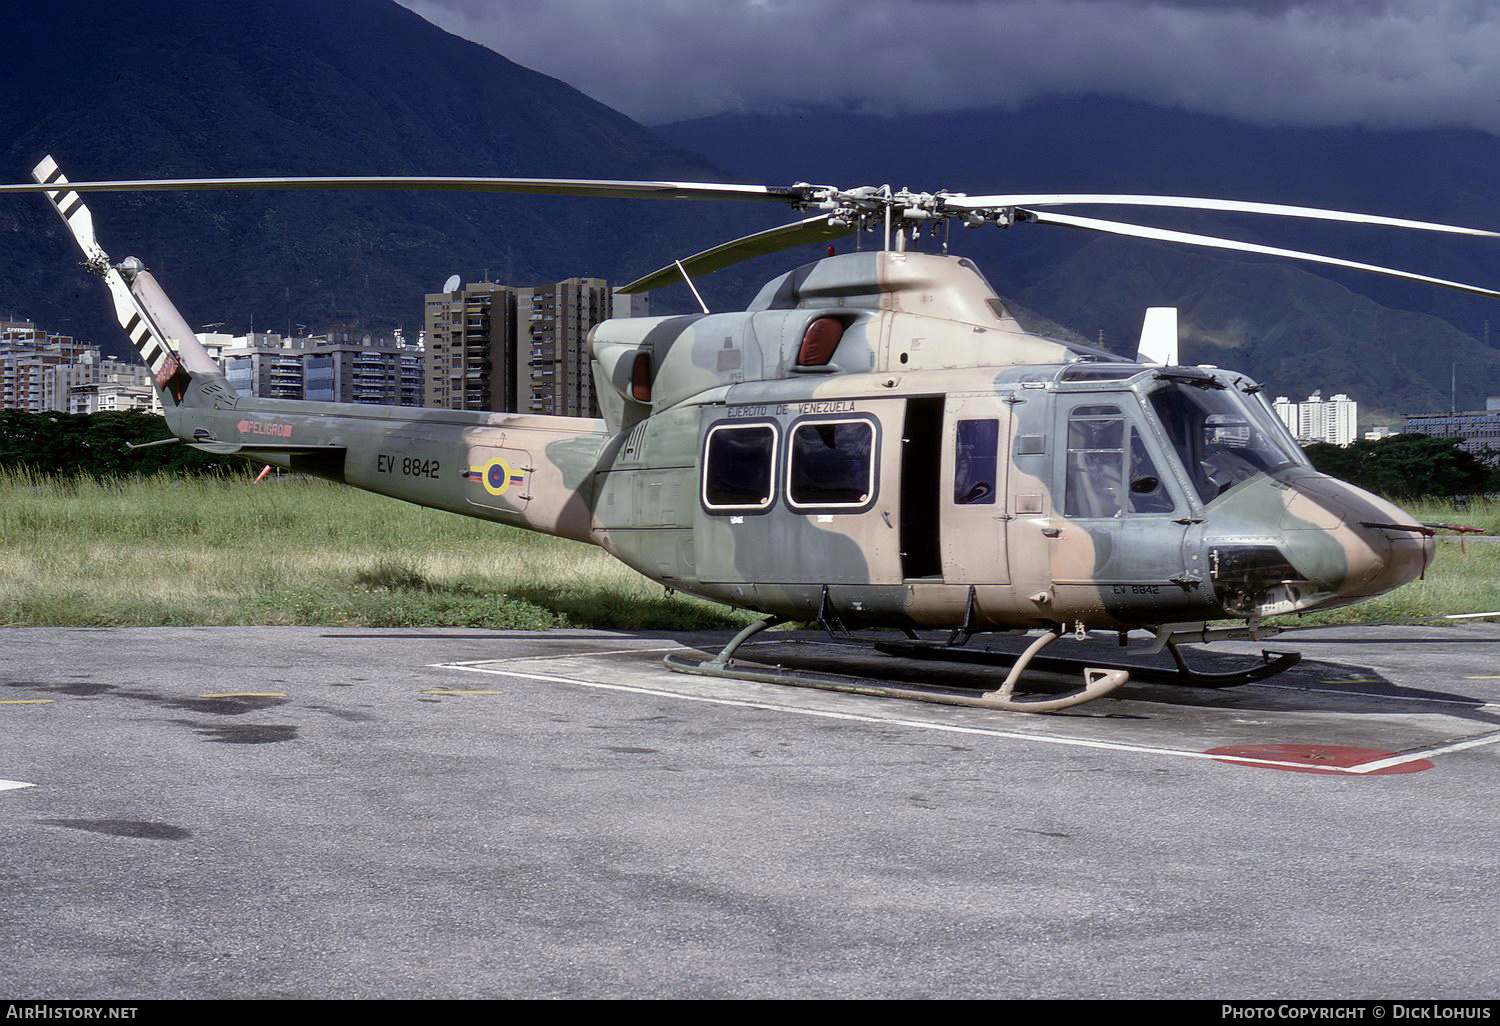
(921, 465)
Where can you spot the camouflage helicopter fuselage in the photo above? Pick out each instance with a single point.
(874, 442)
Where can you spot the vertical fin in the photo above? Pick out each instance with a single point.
(1159, 336)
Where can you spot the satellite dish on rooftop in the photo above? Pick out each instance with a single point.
(451, 285)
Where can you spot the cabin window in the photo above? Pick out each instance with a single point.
(975, 447)
(831, 464)
(739, 467)
(1095, 462)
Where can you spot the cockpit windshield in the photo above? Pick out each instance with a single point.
(1218, 438)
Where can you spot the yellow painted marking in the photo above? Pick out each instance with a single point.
(248, 694)
(1482, 678)
(27, 701)
(451, 691)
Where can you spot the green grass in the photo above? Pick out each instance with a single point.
(171, 551)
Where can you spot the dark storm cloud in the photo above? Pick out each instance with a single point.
(1390, 63)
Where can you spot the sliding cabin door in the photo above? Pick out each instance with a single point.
(972, 490)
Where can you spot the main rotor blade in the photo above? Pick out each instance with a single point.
(963, 203)
(798, 233)
(1163, 235)
(546, 186)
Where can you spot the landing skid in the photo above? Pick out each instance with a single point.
(1097, 681)
(1184, 675)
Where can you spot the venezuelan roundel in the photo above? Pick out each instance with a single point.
(496, 477)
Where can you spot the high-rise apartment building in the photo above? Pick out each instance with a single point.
(351, 368)
(518, 349)
(27, 355)
(113, 386)
(471, 348)
(1334, 421)
(363, 372)
(554, 323)
(264, 364)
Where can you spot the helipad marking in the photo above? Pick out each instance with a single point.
(1071, 742)
(571, 655)
(27, 701)
(13, 785)
(1325, 759)
(1471, 703)
(248, 694)
(1457, 746)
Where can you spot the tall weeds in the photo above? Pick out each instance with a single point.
(182, 551)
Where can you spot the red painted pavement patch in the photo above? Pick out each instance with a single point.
(1316, 758)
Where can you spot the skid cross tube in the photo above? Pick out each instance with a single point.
(1096, 682)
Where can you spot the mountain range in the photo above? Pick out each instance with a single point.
(1392, 345)
(171, 88)
(180, 88)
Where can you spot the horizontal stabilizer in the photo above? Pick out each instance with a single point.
(251, 448)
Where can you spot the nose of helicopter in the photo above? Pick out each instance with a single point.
(1366, 545)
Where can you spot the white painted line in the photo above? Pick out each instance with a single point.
(565, 655)
(13, 785)
(1073, 742)
(1475, 703)
(587, 652)
(1398, 760)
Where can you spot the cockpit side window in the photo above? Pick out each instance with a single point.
(1148, 492)
(1219, 441)
(1110, 468)
(1095, 462)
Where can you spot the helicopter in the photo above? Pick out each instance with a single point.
(875, 442)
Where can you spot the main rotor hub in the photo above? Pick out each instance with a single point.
(869, 206)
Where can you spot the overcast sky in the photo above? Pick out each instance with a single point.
(1413, 63)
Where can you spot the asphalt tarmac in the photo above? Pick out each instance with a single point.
(271, 812)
